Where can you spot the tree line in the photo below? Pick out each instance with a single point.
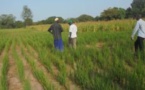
(137, 7)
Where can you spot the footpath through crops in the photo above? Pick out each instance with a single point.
(104, 59)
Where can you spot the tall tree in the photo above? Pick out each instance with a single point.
(7, 21)
(138, 7)
(27, 16)
(19, 24)
(129, 12)
(113, 13)
(84, 17)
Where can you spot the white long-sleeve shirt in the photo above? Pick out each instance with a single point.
(73, 31)
(139, 29)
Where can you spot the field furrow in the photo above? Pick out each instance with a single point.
(35, 85)
(50, 77)
(14, 82)
(70, 85)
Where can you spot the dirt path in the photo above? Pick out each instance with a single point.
(12, 76)
(51, 78)
(35, 85)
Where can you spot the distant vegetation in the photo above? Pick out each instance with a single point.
(112, 13)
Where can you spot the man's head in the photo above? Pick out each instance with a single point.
(70, 22)
(138, 17)
(56, 19)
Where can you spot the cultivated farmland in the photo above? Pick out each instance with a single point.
(104, 59)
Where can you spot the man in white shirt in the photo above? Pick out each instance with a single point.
(72, 34)
(140, 30)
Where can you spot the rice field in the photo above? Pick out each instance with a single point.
(104, 59)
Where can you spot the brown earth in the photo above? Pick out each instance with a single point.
(35, 85)
(51, 78)
(12, 75)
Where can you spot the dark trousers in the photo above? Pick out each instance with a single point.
(139, 48)
(139, 44)
(58, 44)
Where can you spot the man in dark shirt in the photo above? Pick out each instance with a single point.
(56, 29)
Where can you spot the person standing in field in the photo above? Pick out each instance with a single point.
(140, 30)
(72, 34)
(56, 30)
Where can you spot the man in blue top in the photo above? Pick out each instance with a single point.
(140, 30)
(56, 30)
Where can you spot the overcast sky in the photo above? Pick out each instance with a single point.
(42, 9)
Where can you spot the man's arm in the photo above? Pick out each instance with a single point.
(61, 29)
(135, 30)
(50, 29)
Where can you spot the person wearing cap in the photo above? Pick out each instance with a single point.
(72, 34)
(56, 30)
(140, 30)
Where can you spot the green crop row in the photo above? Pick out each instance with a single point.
(5, 66)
